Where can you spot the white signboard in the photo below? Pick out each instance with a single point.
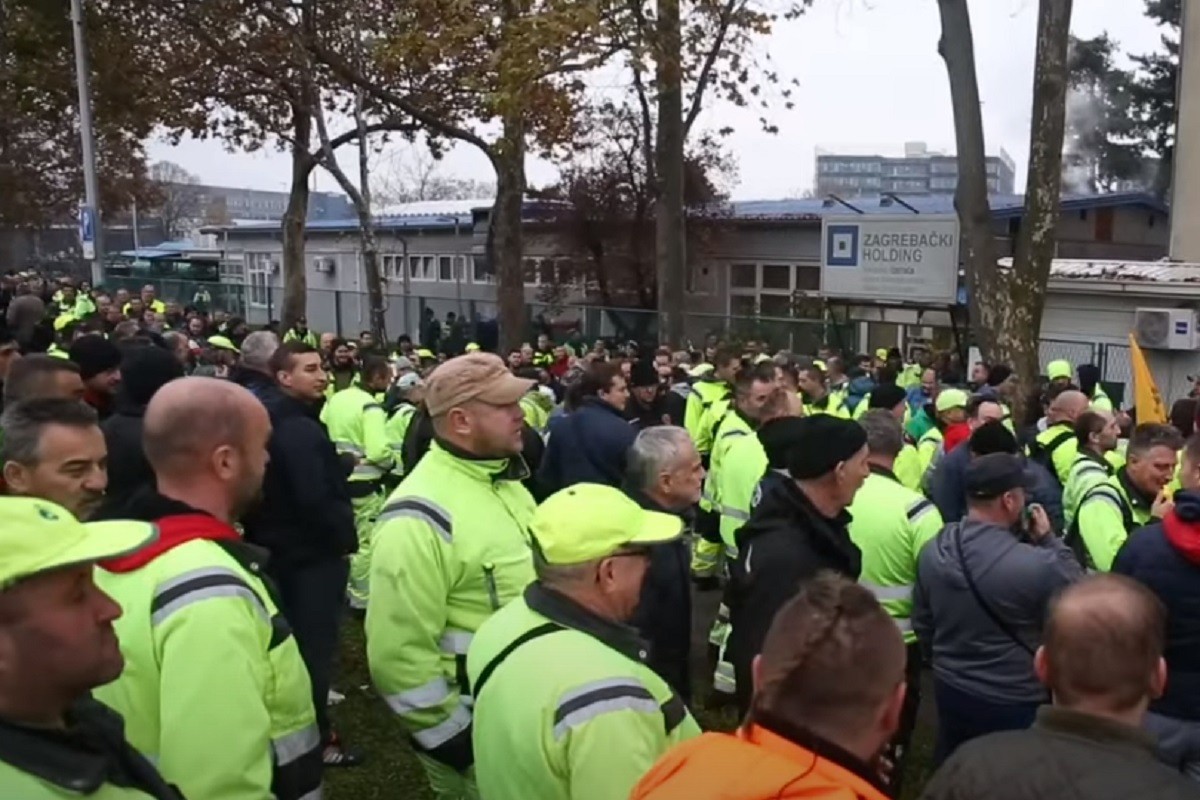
(909, 258)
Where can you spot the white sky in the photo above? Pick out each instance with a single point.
(870, 78)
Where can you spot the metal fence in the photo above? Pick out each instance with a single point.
(348, 312)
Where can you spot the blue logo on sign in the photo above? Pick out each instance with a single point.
(1181, 326)
(841, 246)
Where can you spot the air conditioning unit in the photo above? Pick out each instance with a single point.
(325, 264)
(1165, 328)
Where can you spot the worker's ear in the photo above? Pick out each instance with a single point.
(892, 711)
(225, 462)
(1158, 681)
(16, 477)
(756, 673)
(1041, 667)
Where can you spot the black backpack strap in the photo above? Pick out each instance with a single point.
(1058, 441)
(524, 638)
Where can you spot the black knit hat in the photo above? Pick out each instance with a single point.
(777, 436)
(145, 370)
(887, 395)
(643, 373)
(94, 354)
(825, 442)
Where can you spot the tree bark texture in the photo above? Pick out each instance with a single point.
(1043, 189)
(669, 212)
(508, 159)
(295, 279)
(366, 225)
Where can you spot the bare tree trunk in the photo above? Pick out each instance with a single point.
(366, 223)
(1036, 240)
(508, 158)
(986, 286)
(295, 280)
(669, 216)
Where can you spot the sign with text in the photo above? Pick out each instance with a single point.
(890, 257)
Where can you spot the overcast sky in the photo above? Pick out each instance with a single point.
(870, 79)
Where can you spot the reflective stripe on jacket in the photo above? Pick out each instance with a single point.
(449, 549)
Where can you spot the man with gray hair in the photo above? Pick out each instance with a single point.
(254, 370)
(663, 473)
(53, 450)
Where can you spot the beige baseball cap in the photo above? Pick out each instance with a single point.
(474, 376)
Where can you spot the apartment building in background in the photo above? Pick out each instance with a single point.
(920, 171)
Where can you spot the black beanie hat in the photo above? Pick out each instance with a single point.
(887, 395)
(777, 436)
(145, 370)
(94, 354)
(826, 441)
(643, 373)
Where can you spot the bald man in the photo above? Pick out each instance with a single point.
(214, 690)
(1101, 659)
(1056, 447)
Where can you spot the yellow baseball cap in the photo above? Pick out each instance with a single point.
(951, 398)
(589, 521)
(222, 343)
(881, 354)
(424, 353)
(1058, 369)
(471, 347)
(38, 536)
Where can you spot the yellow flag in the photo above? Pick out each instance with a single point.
(1147, 400)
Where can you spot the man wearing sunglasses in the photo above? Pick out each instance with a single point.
(564, 699)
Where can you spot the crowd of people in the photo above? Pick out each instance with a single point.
(193, 510)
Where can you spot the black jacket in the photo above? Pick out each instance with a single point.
(128, 469)
(588, 445)
(1066, 755)
(1165, 557)
(88, 754)
(647, 416)
(785, 542)
(305, 515)
(257, 383)
(664, 612)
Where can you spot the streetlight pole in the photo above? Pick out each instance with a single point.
(89, 216)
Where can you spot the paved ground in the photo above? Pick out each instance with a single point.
(392, 773)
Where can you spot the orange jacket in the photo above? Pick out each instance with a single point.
(753, 764)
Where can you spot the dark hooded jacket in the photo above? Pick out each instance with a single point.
(785, 542)
(1165, 557)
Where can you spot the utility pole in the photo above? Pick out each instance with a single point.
(89, 217)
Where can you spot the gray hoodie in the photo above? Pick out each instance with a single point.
(1017, 580)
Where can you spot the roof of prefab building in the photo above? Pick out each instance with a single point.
(1082, 269)
(787, 210)
(1003, 206)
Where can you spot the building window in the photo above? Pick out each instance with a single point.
(743, 276)
(446, 268)
(421, 268)
(259, 267)
(235, 271)
(480, 271)
(391, 266)
(769, 289)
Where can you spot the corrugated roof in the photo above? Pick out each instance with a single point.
(1122, 271)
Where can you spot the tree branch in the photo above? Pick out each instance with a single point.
(706, 71)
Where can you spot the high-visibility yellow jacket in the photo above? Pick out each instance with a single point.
(450, 549)
(574, 713)
(357, 425)
(890, 525)
(214, 691)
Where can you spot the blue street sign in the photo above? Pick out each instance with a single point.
(87, 231)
